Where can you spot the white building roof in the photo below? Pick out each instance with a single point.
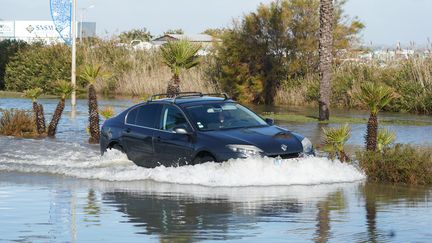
(192, 38)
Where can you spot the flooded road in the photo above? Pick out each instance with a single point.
(61, 190)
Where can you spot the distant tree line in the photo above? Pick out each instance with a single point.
(277, 42)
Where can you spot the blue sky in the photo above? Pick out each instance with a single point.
(387, 21)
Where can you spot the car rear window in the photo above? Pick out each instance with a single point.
(144, 116)
(131, 116)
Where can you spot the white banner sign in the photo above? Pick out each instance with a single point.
(35, 29)
(7, 29)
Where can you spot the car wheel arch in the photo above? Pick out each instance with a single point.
(204, 153)
(114, 144)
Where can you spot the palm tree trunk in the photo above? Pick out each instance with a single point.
(56, 118)
(173, 86)
(93, 115)
(325, 57)
(323, 225)
(371, 215)
(36, 115)
(39, 118)
(372, 133)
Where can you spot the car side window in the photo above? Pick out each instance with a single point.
(131, 116)
(172, 117)
(147, 115)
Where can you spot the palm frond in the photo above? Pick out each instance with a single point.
(107, 112)
(385, 138)
(374, 96)
(179, 55)
(63, 88)
(91, 72)
(33, 93)
(335, 139)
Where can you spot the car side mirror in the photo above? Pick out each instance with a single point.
(269, 121)
(182, 130)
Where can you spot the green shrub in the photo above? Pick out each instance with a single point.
(18, 123)
(38, 66)
(8, 48)
(399, 164)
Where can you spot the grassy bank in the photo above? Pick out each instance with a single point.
(296, 118)
(15, 94)
(410, 78)
(398, 164)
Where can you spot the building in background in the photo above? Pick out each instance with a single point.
(40, 30)
(202, 39)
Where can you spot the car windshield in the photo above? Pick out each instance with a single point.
(219, 116)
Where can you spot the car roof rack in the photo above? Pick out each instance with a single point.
(181, 95)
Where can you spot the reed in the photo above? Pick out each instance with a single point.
(140, 72)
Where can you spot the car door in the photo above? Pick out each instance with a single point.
(137, 136)
(171, 148)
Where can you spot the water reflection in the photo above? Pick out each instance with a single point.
(379, 196)
(93, 210)
(190, 213)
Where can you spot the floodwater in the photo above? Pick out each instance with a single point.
(61, 190)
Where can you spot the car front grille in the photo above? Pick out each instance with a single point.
(285, 156)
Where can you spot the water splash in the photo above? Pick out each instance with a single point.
(83, 161)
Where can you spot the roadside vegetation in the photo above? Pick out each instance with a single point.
(398, 164)
(256, 62)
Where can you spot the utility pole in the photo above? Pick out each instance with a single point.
(82, 19)
(73, 74)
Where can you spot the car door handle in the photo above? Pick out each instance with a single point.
(158, 139)
(127, 130)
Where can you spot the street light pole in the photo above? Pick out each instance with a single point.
(73, 74)
(81, 19)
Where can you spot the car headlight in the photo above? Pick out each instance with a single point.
(246, 150)
(307, 146)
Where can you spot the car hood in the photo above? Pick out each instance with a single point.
(270, 139)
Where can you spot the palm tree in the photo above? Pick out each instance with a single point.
(37, 108)
(335, 140)
(64, 89)
(374, 97)
(179, 55)
(90, 74)
(325, 57)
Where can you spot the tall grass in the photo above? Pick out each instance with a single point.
(139, 72)
(411, 78)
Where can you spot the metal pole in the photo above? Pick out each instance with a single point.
(81, 20)
(73, 75)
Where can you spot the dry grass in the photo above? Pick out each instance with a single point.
(411, 78)
(139, 72)
(295, 92)
(18, 123)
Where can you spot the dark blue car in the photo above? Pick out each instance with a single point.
(194, 128)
